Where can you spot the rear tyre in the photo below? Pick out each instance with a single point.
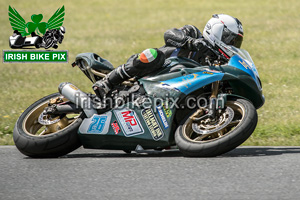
(38, 43)
(240, 128)
(38, 141)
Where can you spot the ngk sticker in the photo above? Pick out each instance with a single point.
(129, 122)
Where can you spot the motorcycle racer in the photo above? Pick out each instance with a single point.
(53, 36)
(219, 32)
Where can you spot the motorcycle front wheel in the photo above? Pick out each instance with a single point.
(234, 125)
(57, 138)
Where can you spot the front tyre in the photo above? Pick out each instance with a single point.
(212, 143)
(41, 141)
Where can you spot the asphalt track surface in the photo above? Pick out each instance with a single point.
(244, 173)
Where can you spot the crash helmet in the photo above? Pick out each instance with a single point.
(62, 30)
(223, 30)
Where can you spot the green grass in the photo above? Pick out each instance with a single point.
(116, 29)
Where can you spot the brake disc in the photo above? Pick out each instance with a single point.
(45, 120)
(223, 121)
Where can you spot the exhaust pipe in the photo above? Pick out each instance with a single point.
(77, 97)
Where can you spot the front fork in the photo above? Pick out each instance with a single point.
(214, 105)
(213, 99)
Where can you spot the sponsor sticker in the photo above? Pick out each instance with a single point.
(116, 127)
(168, 87)
(167, 110)
(34, 56)
(162, 117)
(129, 122)
(97, 124)
(152, 124)
(206, 72)
(246, 65)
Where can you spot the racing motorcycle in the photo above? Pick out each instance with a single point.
(203, 111)
(52, 37)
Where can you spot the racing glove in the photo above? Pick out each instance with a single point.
(194, 44)
(101, 88)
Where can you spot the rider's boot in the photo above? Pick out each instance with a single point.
(137, 65)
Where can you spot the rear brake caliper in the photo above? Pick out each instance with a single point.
(50, 119)
(47, 117)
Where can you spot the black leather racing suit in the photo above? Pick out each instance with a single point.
(186, 41)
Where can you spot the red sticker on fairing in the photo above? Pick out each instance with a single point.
(116, 127)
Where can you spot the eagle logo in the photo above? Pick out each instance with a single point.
(43, 34)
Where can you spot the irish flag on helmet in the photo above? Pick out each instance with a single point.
(148, 55)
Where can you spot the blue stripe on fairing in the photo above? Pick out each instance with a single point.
(189, 83)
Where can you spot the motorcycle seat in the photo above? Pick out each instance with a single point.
(96, 62)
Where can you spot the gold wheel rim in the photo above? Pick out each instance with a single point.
(239, 114)
(32, 127)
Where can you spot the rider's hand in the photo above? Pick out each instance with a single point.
(196, 44)
(101, 88)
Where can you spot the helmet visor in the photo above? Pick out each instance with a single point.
(231, 38)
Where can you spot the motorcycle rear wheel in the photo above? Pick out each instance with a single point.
(234, 134)
(38, 141)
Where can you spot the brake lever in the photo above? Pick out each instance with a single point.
(217, 53)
